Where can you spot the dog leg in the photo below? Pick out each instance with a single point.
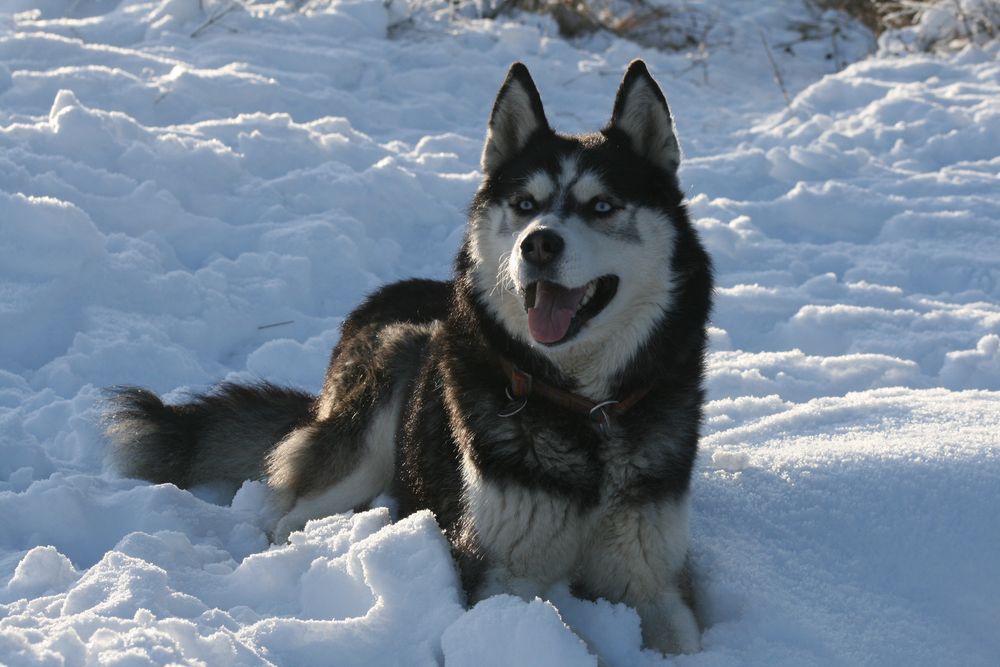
(638, 557)
(668, 624)
(325, 468)
(355, 490)
(528, 537)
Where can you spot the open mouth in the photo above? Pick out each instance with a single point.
(557, 313)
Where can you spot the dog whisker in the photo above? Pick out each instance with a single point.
(503, 282)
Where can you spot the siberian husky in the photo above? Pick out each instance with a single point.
(544, 404)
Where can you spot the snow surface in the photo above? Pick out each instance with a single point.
(185, 200)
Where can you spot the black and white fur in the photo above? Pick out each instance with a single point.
(412, 395)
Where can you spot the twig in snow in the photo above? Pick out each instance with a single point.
(276, 324)
(774, 66)
(838, 61)
(215, 18)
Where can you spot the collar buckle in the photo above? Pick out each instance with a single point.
(515, 405)
(600, 416)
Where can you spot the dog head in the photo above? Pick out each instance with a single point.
(571, 238)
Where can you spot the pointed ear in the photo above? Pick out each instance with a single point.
(517, 115)
(641, 112)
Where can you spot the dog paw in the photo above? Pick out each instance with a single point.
(669, 625)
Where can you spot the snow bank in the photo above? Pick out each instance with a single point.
(356, 587)
(197, 191)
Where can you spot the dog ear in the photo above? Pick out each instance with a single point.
(641, 112)
(517, 115)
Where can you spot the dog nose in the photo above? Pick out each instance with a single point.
(542, 247)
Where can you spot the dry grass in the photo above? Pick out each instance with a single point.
(877, 15)
(684, 26)
(679, 26)
(976, 21)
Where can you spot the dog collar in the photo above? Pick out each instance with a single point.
(522, 385)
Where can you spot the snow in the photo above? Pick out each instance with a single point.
(177, 210)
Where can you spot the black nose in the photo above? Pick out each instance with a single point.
(542, 247)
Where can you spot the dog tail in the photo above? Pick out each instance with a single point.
(223, 435)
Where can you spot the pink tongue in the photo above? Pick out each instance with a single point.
(555, 306)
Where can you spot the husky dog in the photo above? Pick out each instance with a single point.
(545, 404)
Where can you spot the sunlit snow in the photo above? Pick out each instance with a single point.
(186, 200)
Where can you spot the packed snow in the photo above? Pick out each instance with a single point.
(200, 190)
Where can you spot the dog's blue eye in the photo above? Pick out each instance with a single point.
(526, 205)
(601, 206)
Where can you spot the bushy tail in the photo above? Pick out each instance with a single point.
(221, 436)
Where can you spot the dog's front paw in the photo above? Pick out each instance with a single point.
(669, 625)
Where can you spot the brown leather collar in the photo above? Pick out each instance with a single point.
(523, 385)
